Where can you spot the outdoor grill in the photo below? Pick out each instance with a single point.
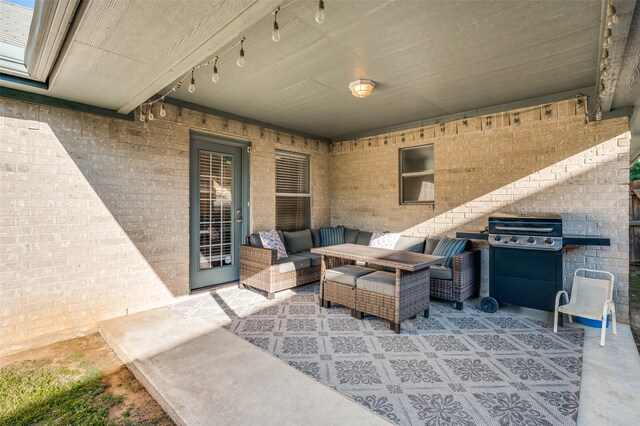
(525, 260)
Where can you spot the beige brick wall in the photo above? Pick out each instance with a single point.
(545, 163)
(94, 211)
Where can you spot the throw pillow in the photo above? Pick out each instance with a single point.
(331, 236)
(315, 237)
(351, 235)
(363, 238)
(386, 240)
(449, 247)
(430, 245)
(271, 240)
(298, 241)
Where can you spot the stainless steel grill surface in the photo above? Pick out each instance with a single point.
(529, 232)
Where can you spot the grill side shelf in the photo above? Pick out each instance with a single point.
(585, 240)
(473, 235)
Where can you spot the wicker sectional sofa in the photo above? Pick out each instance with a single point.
(260, 268)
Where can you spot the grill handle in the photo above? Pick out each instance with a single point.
(522, 229)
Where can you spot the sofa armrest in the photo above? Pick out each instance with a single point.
(256, 255)
(466, 266)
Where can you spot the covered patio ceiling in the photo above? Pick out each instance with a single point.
(429, 59)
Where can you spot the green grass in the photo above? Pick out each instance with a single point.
(41, 393)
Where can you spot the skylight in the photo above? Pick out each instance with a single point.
(31, 35)
(15, 22)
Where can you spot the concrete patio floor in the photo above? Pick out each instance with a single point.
(203, 374)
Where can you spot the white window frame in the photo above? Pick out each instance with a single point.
(306, 158)
(402, 174)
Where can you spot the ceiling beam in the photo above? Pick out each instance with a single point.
(540, 100)
(619, 34)
(226, 34)
(223, 114)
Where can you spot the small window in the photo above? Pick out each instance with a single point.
(416, 175)
(293, 192)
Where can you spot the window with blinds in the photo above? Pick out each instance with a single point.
(293, 192)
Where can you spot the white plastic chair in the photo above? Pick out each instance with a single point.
(591, 298)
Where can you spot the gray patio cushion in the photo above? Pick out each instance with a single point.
(381, 268)
(292, 263)
(441, 272)
(314, 258)
(346, 274)
(430, 245)
(363, 238)
(412, 244)
(315, 237)
(351, 235)
(296, 242)
(255, 241)
(379, 282)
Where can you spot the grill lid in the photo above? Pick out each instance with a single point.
(536, 217)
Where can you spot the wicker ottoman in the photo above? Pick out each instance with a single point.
(393, 296)
(339, 285)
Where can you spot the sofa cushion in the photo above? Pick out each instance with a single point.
(386, 240)
(448, 247)
(254, 240)
(351, 235)
(331, 236)
(313, 257)
(315, 237)
(430, 245)
(298, 241)
(272, 240)
(379, 282)
(346, 274)
(293, 263)
(364, 238)
(408, 243)
(441, 272)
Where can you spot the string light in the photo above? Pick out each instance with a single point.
(215, 77)
(240, 60)
(192, 85)
(612, 18)
(275, 34)
(320, 12)
(145, 107)
(607, 39)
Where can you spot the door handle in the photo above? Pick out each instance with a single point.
(238, 216)
(239, 220)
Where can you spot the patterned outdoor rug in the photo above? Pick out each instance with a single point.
(455, 368)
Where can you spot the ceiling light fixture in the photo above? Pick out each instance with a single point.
(361, 88)
(320, 12)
